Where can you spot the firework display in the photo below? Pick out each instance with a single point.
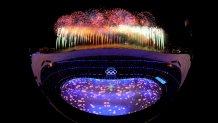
(110, 66)
(106, 28)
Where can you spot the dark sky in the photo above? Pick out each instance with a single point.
(39, 17)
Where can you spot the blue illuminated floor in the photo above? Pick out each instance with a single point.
(111, 97)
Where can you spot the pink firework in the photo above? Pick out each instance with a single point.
(145, 19)
(79, 18)
(97, 19)
(121, 17)
(63, 21)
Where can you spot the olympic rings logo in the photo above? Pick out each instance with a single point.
(111, 71)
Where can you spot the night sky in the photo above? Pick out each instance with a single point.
(37, 31)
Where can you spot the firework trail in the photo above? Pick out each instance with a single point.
(108, 28)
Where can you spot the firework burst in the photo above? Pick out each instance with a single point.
(107, 28)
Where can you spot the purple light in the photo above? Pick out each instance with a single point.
(111, 96)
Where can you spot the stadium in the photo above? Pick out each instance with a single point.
(144, 81)
(120, 73)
